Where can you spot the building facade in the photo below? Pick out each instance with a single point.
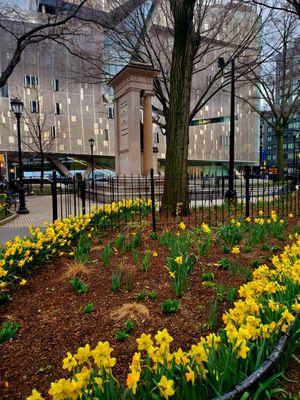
(71, 112)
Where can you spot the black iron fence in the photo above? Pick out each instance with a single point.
(207, 196)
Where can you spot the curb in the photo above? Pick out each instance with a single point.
(10, 218)
(262, 371)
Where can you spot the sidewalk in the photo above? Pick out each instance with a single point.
(40, 211)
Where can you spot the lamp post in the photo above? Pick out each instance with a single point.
(92, 141)
(230, 193)
(295, 137)
(17, 108)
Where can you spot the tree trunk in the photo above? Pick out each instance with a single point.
(280, 162)
(175, 196)
(42, 171)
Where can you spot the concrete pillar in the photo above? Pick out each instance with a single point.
(148, 140)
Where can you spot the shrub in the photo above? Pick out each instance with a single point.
(170, 306)
(121, 335)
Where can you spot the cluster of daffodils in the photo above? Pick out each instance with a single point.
(267, 306)
(21, 255)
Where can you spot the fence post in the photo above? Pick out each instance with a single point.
(247, 176)
(152, 199)
(54, 196)
(82, 189)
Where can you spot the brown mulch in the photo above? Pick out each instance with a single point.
(52, 321)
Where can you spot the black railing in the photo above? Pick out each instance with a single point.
(207, 202)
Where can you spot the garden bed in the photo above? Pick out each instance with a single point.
(53, 321)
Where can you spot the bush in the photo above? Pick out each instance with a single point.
(170, 306)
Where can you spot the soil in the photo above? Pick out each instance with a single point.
(52, 320)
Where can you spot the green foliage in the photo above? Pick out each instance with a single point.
(134, 243)
(8, 330)
(88, 308)
(247, 248)
(106, 254)
(119, 241)
(129, 325)
(274, 249)
(265, 246)
(213, 315)
(221, 292)
(170, 306)
(230, 234)
(121, 335)
(208, 277)
(203, 241)
(141, 295)
(128, 284)
(4, 298)
(83, 249)
(232, 294)
(225, 263)
(241, 270)
(136, 255)
(153, 235)
(225, 249)
(79, 286)
(255, 263)
(146, 260)
(116, 280)
(152, 295)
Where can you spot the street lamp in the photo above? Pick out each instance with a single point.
(17, 107)
(92, 141)
(230, 193)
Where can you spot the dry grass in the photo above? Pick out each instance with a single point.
(75, 269)
(133, 311)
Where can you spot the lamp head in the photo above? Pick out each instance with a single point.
(221, 63)
(91, 141)
(17, 106)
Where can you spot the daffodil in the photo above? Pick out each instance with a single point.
(182, 226)
(144, 342)
(35, 395)
(132, 380)
(165, 386)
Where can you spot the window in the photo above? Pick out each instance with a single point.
(106, 134)
(225, 140)
(156, 137)
(4, 90)
(31, 81)
(269, 139)
(57, 109)
(110, 113)
(290, 145)
(53, 132)
(27, 80)
(55, 84)
(34, 106)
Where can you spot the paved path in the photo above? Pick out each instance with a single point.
(40, 211)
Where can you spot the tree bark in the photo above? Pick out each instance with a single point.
(42, 171)
(280, 161)
(176, 195)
